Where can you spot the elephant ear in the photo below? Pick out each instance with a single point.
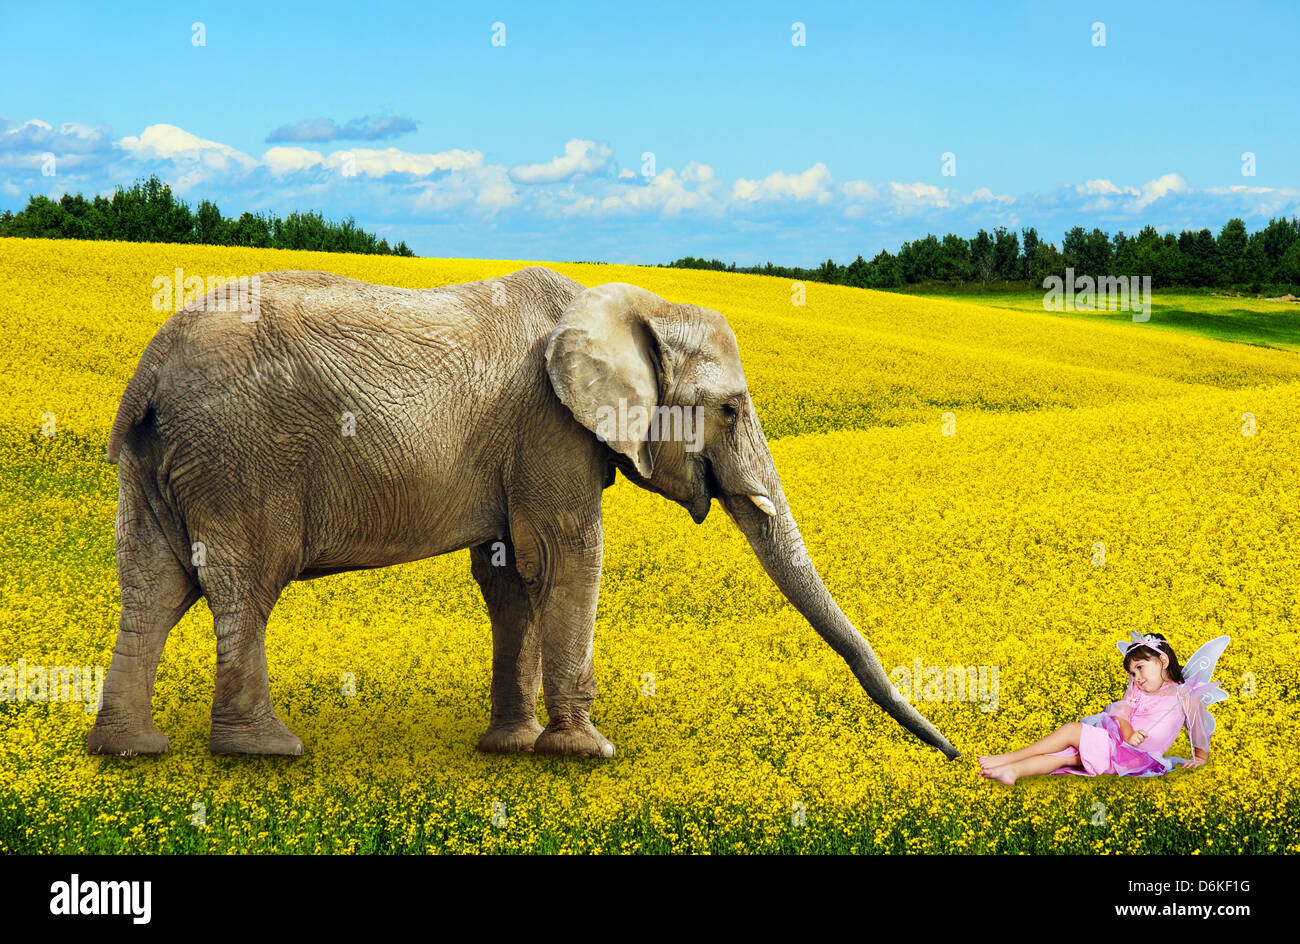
(609, 365)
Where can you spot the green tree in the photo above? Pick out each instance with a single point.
(1122, 255)
(884, 272)
(250, 230)
(148, 210)
(1006, 254)
(1088, 253)
(1287, 271)
(210, 227)
(1171, 266)
(855, 273)
(1232, 253)
(1047, 262)
(1200, 253)
(1029, 248)
(1277, 237)
(921, 260)
(954, 259)
(828, 271)
(981, 257)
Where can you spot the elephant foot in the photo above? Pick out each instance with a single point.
(125, 737)
(575, 742)
(507, 738)
(265, 735)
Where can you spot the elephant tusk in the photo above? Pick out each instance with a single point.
(764, 505)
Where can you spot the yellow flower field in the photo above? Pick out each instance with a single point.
(978, 549)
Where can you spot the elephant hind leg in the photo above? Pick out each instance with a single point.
(157, 590)
(243, 719)
(244, 572)
(516, 650)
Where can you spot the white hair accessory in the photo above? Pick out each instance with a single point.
(1136, 639)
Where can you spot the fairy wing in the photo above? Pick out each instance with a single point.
(1199, 669)
(1198, 683)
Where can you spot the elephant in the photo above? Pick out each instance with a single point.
(489, 416)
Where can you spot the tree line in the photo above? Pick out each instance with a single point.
(1266, 261)
(150, 212)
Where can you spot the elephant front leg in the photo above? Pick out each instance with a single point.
(563, 578)
(516, 650)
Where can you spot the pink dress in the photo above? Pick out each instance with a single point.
(1161, 714)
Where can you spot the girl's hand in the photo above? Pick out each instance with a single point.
(1136, 738)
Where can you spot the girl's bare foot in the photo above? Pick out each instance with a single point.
(988, 761)
(1005, 774)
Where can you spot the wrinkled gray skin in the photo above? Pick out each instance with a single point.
(475, 423)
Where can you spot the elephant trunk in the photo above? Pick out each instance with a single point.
(771, 531)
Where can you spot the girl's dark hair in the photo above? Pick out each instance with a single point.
(1142, 653)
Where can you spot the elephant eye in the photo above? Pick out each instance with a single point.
(730, 412)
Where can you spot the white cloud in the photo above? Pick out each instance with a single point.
(1143, 196)
(371, 163)
(74, 145)
(487, 188)
(985, 195)
(1260, 201)
(168, 142)
(1154, 190)
(1242, 188)
(811, 184)
(1101, 187)
(701, 174)
(667, 193)
(210, 158)
(918, 195)
(392, 161)
(495, 191)
(859, 190)
(27, 134)
(580, 158)
(287, 160)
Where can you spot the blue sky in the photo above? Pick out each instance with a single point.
(408, 117)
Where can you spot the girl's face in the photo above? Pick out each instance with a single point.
(1148, 674)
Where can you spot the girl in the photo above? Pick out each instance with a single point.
(1130, 736)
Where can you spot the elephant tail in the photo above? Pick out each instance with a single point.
(139, 396)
